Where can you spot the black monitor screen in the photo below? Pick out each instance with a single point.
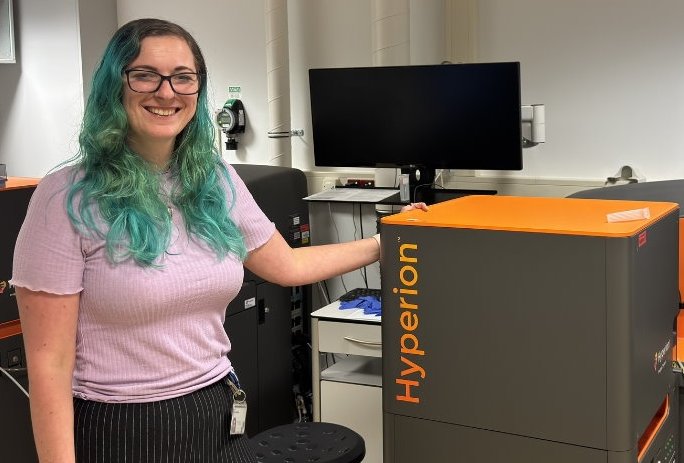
(446, 116)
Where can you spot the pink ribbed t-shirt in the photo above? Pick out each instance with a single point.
(143, 334)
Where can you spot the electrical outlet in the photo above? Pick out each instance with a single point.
(361, 182)
(12, 352)
(15, 359)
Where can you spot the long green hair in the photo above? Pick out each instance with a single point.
(125, 189)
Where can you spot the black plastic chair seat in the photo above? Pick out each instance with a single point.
(312, 442)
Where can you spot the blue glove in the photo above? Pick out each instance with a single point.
(349, 304)
(369, 304)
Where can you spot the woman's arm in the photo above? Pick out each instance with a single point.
(278, 263)
(48, 324)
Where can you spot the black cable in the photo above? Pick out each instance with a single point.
(361, 220)
(415, 190)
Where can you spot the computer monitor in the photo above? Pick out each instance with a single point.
(445, 116)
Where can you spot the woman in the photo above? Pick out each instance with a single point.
(128, 258)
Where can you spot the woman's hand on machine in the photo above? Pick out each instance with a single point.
(412, 206)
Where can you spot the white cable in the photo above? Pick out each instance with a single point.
(338, 240)
(323, 293)
(11, 378)
(363, 271)
(439, 177)
(337, 232)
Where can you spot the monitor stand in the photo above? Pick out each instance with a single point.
(422, 189)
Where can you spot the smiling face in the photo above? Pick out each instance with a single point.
(155, 119)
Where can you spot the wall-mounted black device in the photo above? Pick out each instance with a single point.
(231, 119)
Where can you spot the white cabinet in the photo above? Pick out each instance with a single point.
(349, 392)
(357, 407)
(350, 338)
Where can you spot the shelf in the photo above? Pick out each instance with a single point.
(355, 370)
(391, 196)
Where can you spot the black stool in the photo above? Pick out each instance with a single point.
(311, 442)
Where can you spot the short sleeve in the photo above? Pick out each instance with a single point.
(256, 228)
(48, 252)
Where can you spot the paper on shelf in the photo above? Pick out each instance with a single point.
(360, 195)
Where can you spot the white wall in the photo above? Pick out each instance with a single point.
(611, 74)
(322, 33)
(41, 94)
(97, 22)
(232, 37)
(343, 39)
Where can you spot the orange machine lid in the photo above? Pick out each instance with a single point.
(19, 182)
(566, 216)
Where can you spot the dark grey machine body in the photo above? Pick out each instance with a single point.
(262, 319)
(529, 347)
(16, 437)
(665, 190)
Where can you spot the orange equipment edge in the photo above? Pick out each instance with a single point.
(13, 183)
(9, 329)
(653, 427)
(563, 216)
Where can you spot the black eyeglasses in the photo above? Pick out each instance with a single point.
(146, 81)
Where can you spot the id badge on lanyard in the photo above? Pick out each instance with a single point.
(238, 415)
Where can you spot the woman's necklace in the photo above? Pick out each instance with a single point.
(168, 203)
(166, 197)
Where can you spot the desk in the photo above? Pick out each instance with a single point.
(349, 392)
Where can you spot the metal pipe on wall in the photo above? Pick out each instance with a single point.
(390, 30)
(278, 79)
(391, 40)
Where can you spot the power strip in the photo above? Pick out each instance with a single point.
(360, 183)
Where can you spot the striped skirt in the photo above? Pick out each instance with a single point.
(190, 429)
